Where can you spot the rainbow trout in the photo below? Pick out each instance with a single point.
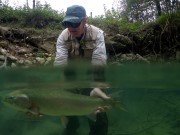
(55, 102)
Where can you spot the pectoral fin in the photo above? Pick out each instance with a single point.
(34, 111)
(64, 121)
(92, 116)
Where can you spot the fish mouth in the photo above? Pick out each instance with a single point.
(8, 100)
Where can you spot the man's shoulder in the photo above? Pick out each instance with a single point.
(64, 34)
(94, 31)
(65, 31)
(94, 28)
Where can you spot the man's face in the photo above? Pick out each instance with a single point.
(78, 31)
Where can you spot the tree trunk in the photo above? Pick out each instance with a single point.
(158, 7)
(34, 4)
(175, 5)
(27, 4)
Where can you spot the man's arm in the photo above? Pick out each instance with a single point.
(99, 56)
(61, 52)
(99, 93)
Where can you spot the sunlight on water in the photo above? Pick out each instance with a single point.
(150, 94)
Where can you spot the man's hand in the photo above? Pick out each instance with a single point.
(99, 93)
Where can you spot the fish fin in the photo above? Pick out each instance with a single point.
(24, 117)
(64, 121)
(121, 107)
(92, 116)
(114, 100)
(116, 104)
(116, 95)
(33, 115)
(34, 112)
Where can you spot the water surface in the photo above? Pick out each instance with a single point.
(150, 94)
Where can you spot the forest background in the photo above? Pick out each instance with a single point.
(135, 30)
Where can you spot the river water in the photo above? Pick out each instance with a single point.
(150, 95)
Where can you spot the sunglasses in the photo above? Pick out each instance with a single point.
(72, 25)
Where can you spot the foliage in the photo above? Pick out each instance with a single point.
(97, 21)
(43, 16)
(130, 25)
(162, 36)
(145, 10)
(114, 25)
(40, 17)
(168, 17)
(125, 14)
(8, 14)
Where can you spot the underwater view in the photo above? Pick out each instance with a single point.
(148, 94)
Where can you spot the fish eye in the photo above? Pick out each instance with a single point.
(10, 98)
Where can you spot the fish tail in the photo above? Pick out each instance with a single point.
(115, 102)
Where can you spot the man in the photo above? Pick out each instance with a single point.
(82, 41)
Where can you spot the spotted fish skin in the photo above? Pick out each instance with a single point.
(54, 102)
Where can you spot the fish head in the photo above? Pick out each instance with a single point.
(17, 100)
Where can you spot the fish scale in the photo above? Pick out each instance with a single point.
(55, 102)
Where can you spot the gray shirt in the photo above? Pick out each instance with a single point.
(99, 50)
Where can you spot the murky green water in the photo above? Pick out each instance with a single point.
(150, 94)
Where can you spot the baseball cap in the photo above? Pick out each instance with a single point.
(74, 14)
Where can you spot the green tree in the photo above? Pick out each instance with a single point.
(169, 6)
(34, 4)
(143, 10)
(27, 3)
(158, 7)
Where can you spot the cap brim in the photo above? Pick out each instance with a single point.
(72, 19)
